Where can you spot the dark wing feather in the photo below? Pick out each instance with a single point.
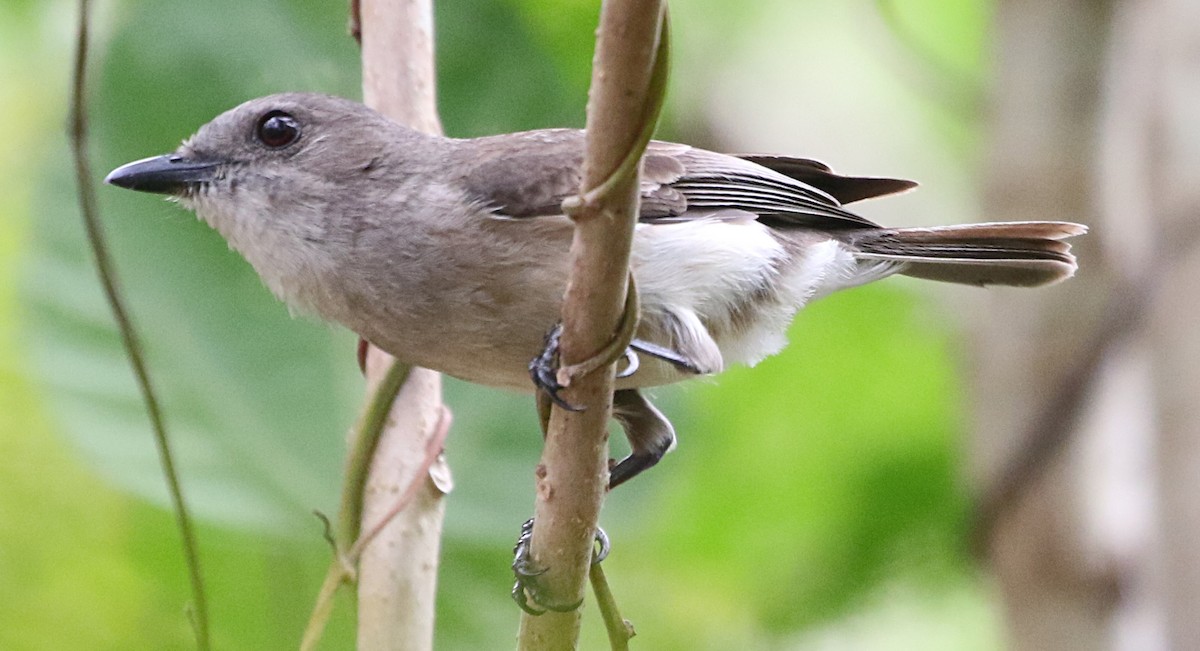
(678, 183)
(846, 189)
(717, 181)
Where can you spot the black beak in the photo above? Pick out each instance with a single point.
(169, 174)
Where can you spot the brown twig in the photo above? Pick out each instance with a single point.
(628, 80)
(129, 338)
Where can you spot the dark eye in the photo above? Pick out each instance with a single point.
(277, 129)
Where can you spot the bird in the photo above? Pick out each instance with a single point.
(452, 254)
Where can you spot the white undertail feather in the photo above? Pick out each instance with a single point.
(677, 278)
(748, 288)
(798, 279)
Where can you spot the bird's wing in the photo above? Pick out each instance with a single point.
(679, 183)
(545, 170)
(846, 189)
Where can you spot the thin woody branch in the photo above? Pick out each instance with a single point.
(398, 571)
(390, 520)
(627, 83)
(388, 534)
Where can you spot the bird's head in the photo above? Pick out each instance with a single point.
(283, 178)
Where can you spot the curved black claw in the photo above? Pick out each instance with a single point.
(543, 369)
(526, 588)
(526, 573)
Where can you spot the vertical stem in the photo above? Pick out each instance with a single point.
(129, 338)
(398, 570)
(399, 75)
(363, 448)
(573, 474)
(620, 631)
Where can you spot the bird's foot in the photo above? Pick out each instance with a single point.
(526, 591)
(544, 370)
(551, 377)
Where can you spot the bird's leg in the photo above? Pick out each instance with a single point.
(543, 369)
(550, 379)
(649, 432)
(525, 572)
(523, 569)
(526, 588)
(650, 435)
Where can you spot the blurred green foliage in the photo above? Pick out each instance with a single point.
(812, 498)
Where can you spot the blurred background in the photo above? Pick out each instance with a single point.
(823, 500)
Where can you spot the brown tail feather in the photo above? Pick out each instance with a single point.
(1024, 254)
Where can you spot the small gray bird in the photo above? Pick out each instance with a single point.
(452, 254)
